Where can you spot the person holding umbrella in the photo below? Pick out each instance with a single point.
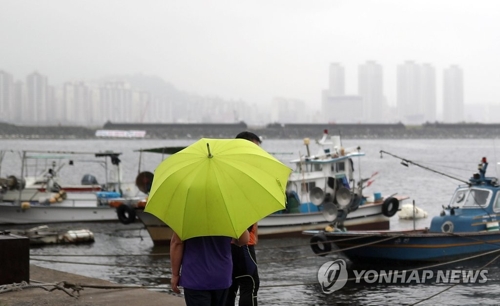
(245, 272)
(210, 193)
(206, 268)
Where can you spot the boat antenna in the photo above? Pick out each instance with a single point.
(405, 162)
(360, 182)
(495, 154)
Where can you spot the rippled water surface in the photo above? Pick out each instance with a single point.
(288, 268)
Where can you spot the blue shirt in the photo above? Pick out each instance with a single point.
(206, 263)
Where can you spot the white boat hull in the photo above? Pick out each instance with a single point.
(77, 207)
(159, 232)
(366, 217)
(14, 214)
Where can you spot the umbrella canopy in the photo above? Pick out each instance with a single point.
(217, 187)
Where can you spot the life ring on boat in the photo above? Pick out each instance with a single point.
(390, 207)
(320, 245)
(447, 227)
(126, 214)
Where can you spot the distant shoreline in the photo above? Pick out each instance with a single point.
(270, 131)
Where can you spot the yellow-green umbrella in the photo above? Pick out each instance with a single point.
(217, 187)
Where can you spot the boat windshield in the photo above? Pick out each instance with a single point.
(458, 197)
(471, 197)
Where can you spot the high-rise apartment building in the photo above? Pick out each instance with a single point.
(370, 88)
(453, 95)
(140, 100)
(408, 92)
(37, 94)
(336, 82)
(21, 100)
(122, 103)
(428, 92)
(336, 105)
(96, 117)
(416, 93)
(77, 110)
(113, 100)
(6, 97)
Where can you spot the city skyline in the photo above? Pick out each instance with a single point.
(120, 100)
(253, 51)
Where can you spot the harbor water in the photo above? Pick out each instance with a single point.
(288, 268)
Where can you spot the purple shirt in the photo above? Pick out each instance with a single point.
(206, 263)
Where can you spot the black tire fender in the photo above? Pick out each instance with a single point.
(126, 214)
(320, 245)
(355, 202)
(390, 206)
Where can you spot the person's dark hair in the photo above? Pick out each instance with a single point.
(249, 136)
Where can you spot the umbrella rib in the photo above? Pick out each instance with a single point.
(227, 211)
(263, 188)
(250, 176)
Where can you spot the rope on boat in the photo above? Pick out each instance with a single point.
(454, 285)
(409, 270)
(76, 287)
(168, 254)
(47, 287)
(375, 242)
(315, 243)
(90, 263)
(475, 239)
(290, 259)
(66, 286)
(332, 251)
(440, 264)
(99, 255)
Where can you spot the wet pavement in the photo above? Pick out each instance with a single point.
(97, 295)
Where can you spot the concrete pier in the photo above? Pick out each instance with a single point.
(88, 296)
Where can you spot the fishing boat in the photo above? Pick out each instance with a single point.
(467, 226)
(324, 188)
(39, 195)
(321, 189)
(159, 232)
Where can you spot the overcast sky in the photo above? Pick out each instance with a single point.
(252, 50)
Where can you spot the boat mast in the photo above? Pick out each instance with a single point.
(21, 178)
(359, 173)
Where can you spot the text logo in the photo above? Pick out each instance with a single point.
(421, 276)
(332, 275)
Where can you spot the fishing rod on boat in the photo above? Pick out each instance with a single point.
(405, 163)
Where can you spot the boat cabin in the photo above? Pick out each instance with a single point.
(317, 178)
(473, 207)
